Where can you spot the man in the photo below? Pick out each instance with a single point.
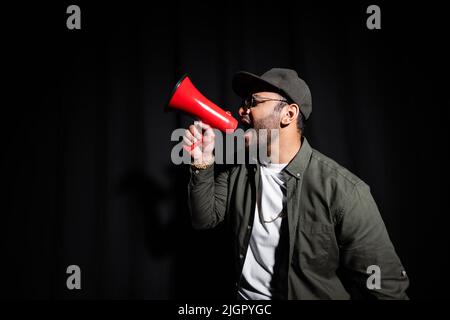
(304, 226)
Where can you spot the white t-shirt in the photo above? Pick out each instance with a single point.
(269, 211)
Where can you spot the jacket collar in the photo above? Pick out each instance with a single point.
(298, 164)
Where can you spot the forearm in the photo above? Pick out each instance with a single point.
(207, 192)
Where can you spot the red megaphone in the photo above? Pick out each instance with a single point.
(185, 97)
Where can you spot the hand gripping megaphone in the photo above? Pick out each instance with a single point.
(186, 98)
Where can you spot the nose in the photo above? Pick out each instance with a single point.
(243, 110)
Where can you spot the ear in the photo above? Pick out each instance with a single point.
(289, 114)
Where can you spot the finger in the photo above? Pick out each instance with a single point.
(187, 141)
(209, 133)
(192, 147)
(194, 150)
(193, 133)
(208, 129)
(188, 149)
(197, 134)
(203, 125)
(189, 135)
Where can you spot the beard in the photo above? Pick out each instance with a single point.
(270, 122)
(263, 132)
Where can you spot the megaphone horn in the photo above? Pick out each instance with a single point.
(186, 98)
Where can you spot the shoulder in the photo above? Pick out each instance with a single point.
(328, 167)
(327, 177)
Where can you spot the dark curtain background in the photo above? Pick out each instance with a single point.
(86, 145)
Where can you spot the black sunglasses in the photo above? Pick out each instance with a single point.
(252, 101)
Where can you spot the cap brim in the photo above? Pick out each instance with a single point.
(246, 83)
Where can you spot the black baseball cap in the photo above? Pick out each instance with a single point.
(285, 82)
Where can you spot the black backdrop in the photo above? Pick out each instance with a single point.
(86, 147)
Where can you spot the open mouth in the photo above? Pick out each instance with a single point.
(246, 123)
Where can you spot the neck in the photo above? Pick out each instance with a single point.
(284, 149)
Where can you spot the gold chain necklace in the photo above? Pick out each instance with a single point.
(280, 215)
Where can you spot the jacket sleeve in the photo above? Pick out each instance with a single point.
(365, 249)
(207, 196)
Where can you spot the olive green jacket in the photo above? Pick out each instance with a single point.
(335, 229)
